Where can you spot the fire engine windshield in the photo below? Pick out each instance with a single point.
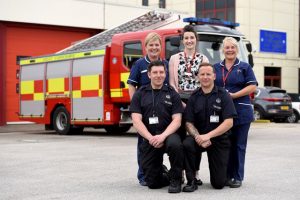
(211, 47)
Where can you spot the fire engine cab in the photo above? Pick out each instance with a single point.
(85, 85)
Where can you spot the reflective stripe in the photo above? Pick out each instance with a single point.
(27, 87)
(76, 94)
(55, 85)
(124, 78)
(245, 104)
(38, 96)
(90, 82)
(31, 116)
(32, 90)
(100, 93)
(62, 57)
(116, 92)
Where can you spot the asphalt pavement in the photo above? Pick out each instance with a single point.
(37, 164)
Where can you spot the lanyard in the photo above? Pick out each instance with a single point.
(225, 77)
(188, 64)
(153, 102)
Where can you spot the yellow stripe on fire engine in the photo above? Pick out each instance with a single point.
(124, 78)
(38, 96)
(100, 93)
(76, 94)
(62, 57)
(27, 87)
(56, 85)
(116, 92)
(90, 82)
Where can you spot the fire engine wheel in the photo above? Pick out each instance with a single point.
(61, 121)
(115, 129)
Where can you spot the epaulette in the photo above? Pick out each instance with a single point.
(170, 88)
(143, 87)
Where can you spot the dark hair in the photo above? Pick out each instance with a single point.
(207, 64)
(155, 63)
(189, 28)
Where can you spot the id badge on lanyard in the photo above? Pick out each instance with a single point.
(214, 119)
(153, 120)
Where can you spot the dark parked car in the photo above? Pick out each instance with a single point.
(294, 118)
(271, 103)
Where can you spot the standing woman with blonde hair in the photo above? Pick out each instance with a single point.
(183, 71)
(238, 79)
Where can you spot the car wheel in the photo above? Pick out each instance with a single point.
(294, 118)
(257, 114)
(61, 121)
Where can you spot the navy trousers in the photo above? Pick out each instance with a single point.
(236, 164)
(217, 153)
(140, 173)
(152, 160)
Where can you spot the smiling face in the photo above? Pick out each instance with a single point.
(206, 76)
(230, 50)
(153, 49)
(157, 75)
(189, 40)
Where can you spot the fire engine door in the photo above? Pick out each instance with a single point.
(87, 93)
(32, 89)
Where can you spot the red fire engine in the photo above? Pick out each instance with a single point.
(85, 84)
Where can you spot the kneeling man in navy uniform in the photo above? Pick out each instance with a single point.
(209, 116)
(156, 112)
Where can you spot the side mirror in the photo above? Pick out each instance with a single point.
(250, 60)
(249, 47)
(175, 41)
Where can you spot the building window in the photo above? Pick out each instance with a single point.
(162, 3)
(145, 3)
(221, 9)
(272, 76)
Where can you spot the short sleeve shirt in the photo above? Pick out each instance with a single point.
(235, 80)
(138, 74)
(161, 103)
(201, 107)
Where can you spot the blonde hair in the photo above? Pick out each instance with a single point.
(232, 41)
(152, 37)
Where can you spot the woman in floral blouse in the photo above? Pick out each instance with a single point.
(183, 71)
(183, 66)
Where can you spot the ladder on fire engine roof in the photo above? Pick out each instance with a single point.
(149, 21)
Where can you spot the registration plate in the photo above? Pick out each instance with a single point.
(284, 107)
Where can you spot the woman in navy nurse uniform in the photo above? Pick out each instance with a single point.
(238, 79)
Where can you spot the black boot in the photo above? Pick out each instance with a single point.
(191, 186)
(175, 186)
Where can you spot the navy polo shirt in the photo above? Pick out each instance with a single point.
(201, 106)
(238, 78)
(162, 103)
(138, 73)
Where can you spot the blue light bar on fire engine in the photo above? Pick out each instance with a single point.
(212, 21)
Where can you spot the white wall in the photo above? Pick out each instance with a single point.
(274, 15)
(98, 14)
